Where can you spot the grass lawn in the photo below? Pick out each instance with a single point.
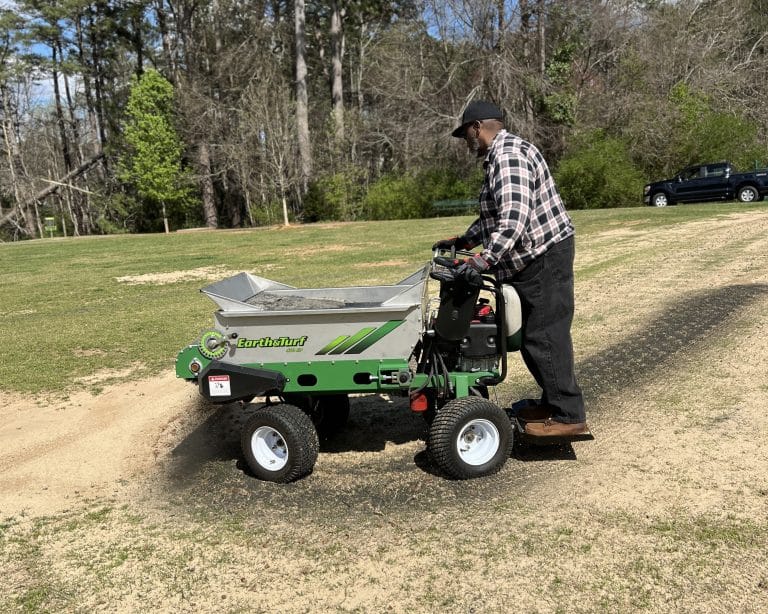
(66, 315)
(135, 499)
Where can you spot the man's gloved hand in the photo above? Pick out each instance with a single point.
(457, 242)
(471, 271)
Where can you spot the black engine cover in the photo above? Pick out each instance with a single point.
(457, 307)
(480, 340)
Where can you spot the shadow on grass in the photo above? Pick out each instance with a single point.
(374, 421)
(674, 335)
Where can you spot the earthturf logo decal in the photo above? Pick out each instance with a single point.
(272, 342)
(361, 340)
(343, 344)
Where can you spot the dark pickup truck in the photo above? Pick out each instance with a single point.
(707, 182)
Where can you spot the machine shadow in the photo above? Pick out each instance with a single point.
(674, 334)
(520, 451)
(374, 421)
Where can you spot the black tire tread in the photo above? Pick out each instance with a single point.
(328, 422)
(300, 435)
(452, 416)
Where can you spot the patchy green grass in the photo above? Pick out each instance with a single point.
(643, 519)
(630, 563)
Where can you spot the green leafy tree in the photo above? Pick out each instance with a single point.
(703, 134)
(153, 161)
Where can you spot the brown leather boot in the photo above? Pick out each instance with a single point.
(534, 412)
(552, 428)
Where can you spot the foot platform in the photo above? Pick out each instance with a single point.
(549, 440)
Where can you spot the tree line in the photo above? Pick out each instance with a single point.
(144, 115)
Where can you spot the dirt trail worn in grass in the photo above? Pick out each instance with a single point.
(53, 453)
(136, 500)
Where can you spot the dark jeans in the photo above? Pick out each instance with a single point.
(545, 287)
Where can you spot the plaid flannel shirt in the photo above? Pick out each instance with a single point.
(521, 213)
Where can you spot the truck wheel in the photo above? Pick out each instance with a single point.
(470, 437)
(279, 443)
(659, 199)
(748, 194)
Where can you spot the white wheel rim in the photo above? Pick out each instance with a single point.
(747, 196)
(478, 442)
(269, 449)
(660, 201)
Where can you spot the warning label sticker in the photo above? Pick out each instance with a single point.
(218, 386)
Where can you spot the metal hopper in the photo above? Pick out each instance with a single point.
(267, 321)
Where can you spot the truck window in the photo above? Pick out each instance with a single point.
(716, 170)
(692, 173)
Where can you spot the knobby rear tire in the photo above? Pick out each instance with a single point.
(280, 443)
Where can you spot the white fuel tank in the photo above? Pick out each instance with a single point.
(513, 317)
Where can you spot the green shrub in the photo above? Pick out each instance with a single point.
(598, 173)
(335, 197)
(398, 196)
(271, 213)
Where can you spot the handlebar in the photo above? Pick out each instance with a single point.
(444, 267)
(450, 263)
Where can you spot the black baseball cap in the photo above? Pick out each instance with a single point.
(474, 111)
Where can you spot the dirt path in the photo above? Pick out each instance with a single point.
(665, 511)
(57, 453)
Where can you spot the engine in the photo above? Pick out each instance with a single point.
(478, 350)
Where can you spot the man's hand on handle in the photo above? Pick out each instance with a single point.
(471, 270)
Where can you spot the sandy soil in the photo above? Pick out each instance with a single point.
(664, 511)
(57, 452)
(208, 273)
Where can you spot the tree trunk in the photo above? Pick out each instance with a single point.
(542, 38)
(59, 112)
(96, 50)
(525, 35)
(72, 216)
(11, 147)
(38, 221)
(206, 185)
(248, 207)
(337, 87)
(302, 102)
(92, 123)
(501, 24)
(137, 39)
(285, 210)
(165, 38)
(360, 65)
(165, 219)
(71, 113)
(63, 218)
